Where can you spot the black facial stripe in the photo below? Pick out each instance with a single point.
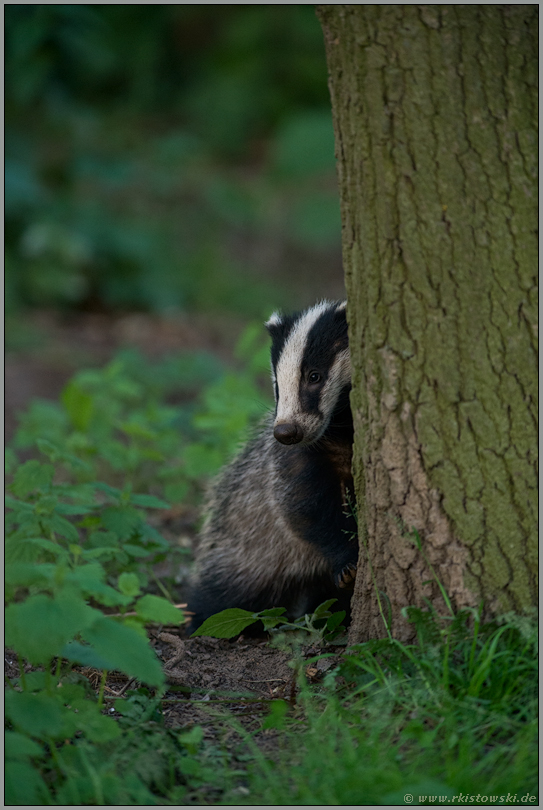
(326, 338)
(310, 398)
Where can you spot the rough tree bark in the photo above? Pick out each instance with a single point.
(435, 114)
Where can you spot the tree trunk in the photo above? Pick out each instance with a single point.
(435, 111)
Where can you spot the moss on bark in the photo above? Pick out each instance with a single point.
(435, 112)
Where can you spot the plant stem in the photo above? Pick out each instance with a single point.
(102, 686)
(22, 672)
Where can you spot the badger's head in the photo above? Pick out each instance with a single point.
(311, 370)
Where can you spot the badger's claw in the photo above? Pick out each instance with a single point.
(347, 576)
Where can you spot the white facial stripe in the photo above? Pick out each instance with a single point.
(339, 376)
(288, 369)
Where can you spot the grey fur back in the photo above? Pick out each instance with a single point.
(245, 537)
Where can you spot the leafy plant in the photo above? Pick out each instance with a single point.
(321, 625)
(79, 550)
(114, 424)
(59, 540)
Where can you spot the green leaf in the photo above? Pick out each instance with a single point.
(100, 539)
(19, 746)
(191, 740)
(84, 655)
(227, 623)
(75, 509)
(276, 717)
(149, 532)
(79, 405)
(87, 575)
(24, 786)
(63, 527)
(272, 617)
(43, 420)
(136, 624)
(138, 430)
(46, 545)
(116, 454)
(18, 506)
(35, 681)
(31, 476)
(122, 520)
(113, 492)
(149, 502)
(85, 715)
(136, 551)
(129, 584)
(89, 579)
(125, 649)
(38, 715)
(46, 505)
(272, 612)
(156, 609)
(25, 573)
(39, 627)
(97, 727)
(105, 553)
(323, 610)
(56, 454)
(334, 621)
(10, 460)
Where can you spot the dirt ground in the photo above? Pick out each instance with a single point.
(212, 681)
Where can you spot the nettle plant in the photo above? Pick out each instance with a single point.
(80, 547)
(149, 425)
(61, 539)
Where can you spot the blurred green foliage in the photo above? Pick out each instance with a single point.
(165, 156)
(141, 426)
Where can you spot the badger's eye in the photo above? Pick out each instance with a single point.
(314, 377)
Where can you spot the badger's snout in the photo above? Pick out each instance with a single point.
(288, 433)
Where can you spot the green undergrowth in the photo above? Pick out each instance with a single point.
(446, 719)
(450, 718)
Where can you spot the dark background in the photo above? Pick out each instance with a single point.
(169, 177)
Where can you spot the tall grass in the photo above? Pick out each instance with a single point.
(453, 714)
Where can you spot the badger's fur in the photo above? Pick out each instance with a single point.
(279, 531)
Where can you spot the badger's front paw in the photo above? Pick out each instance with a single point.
(347, 576)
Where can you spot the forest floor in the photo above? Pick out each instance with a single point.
(209, 681)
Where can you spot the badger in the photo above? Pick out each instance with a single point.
(279, 528)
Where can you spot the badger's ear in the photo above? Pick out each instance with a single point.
(340, 329)
(340, 313)
(274, 324)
